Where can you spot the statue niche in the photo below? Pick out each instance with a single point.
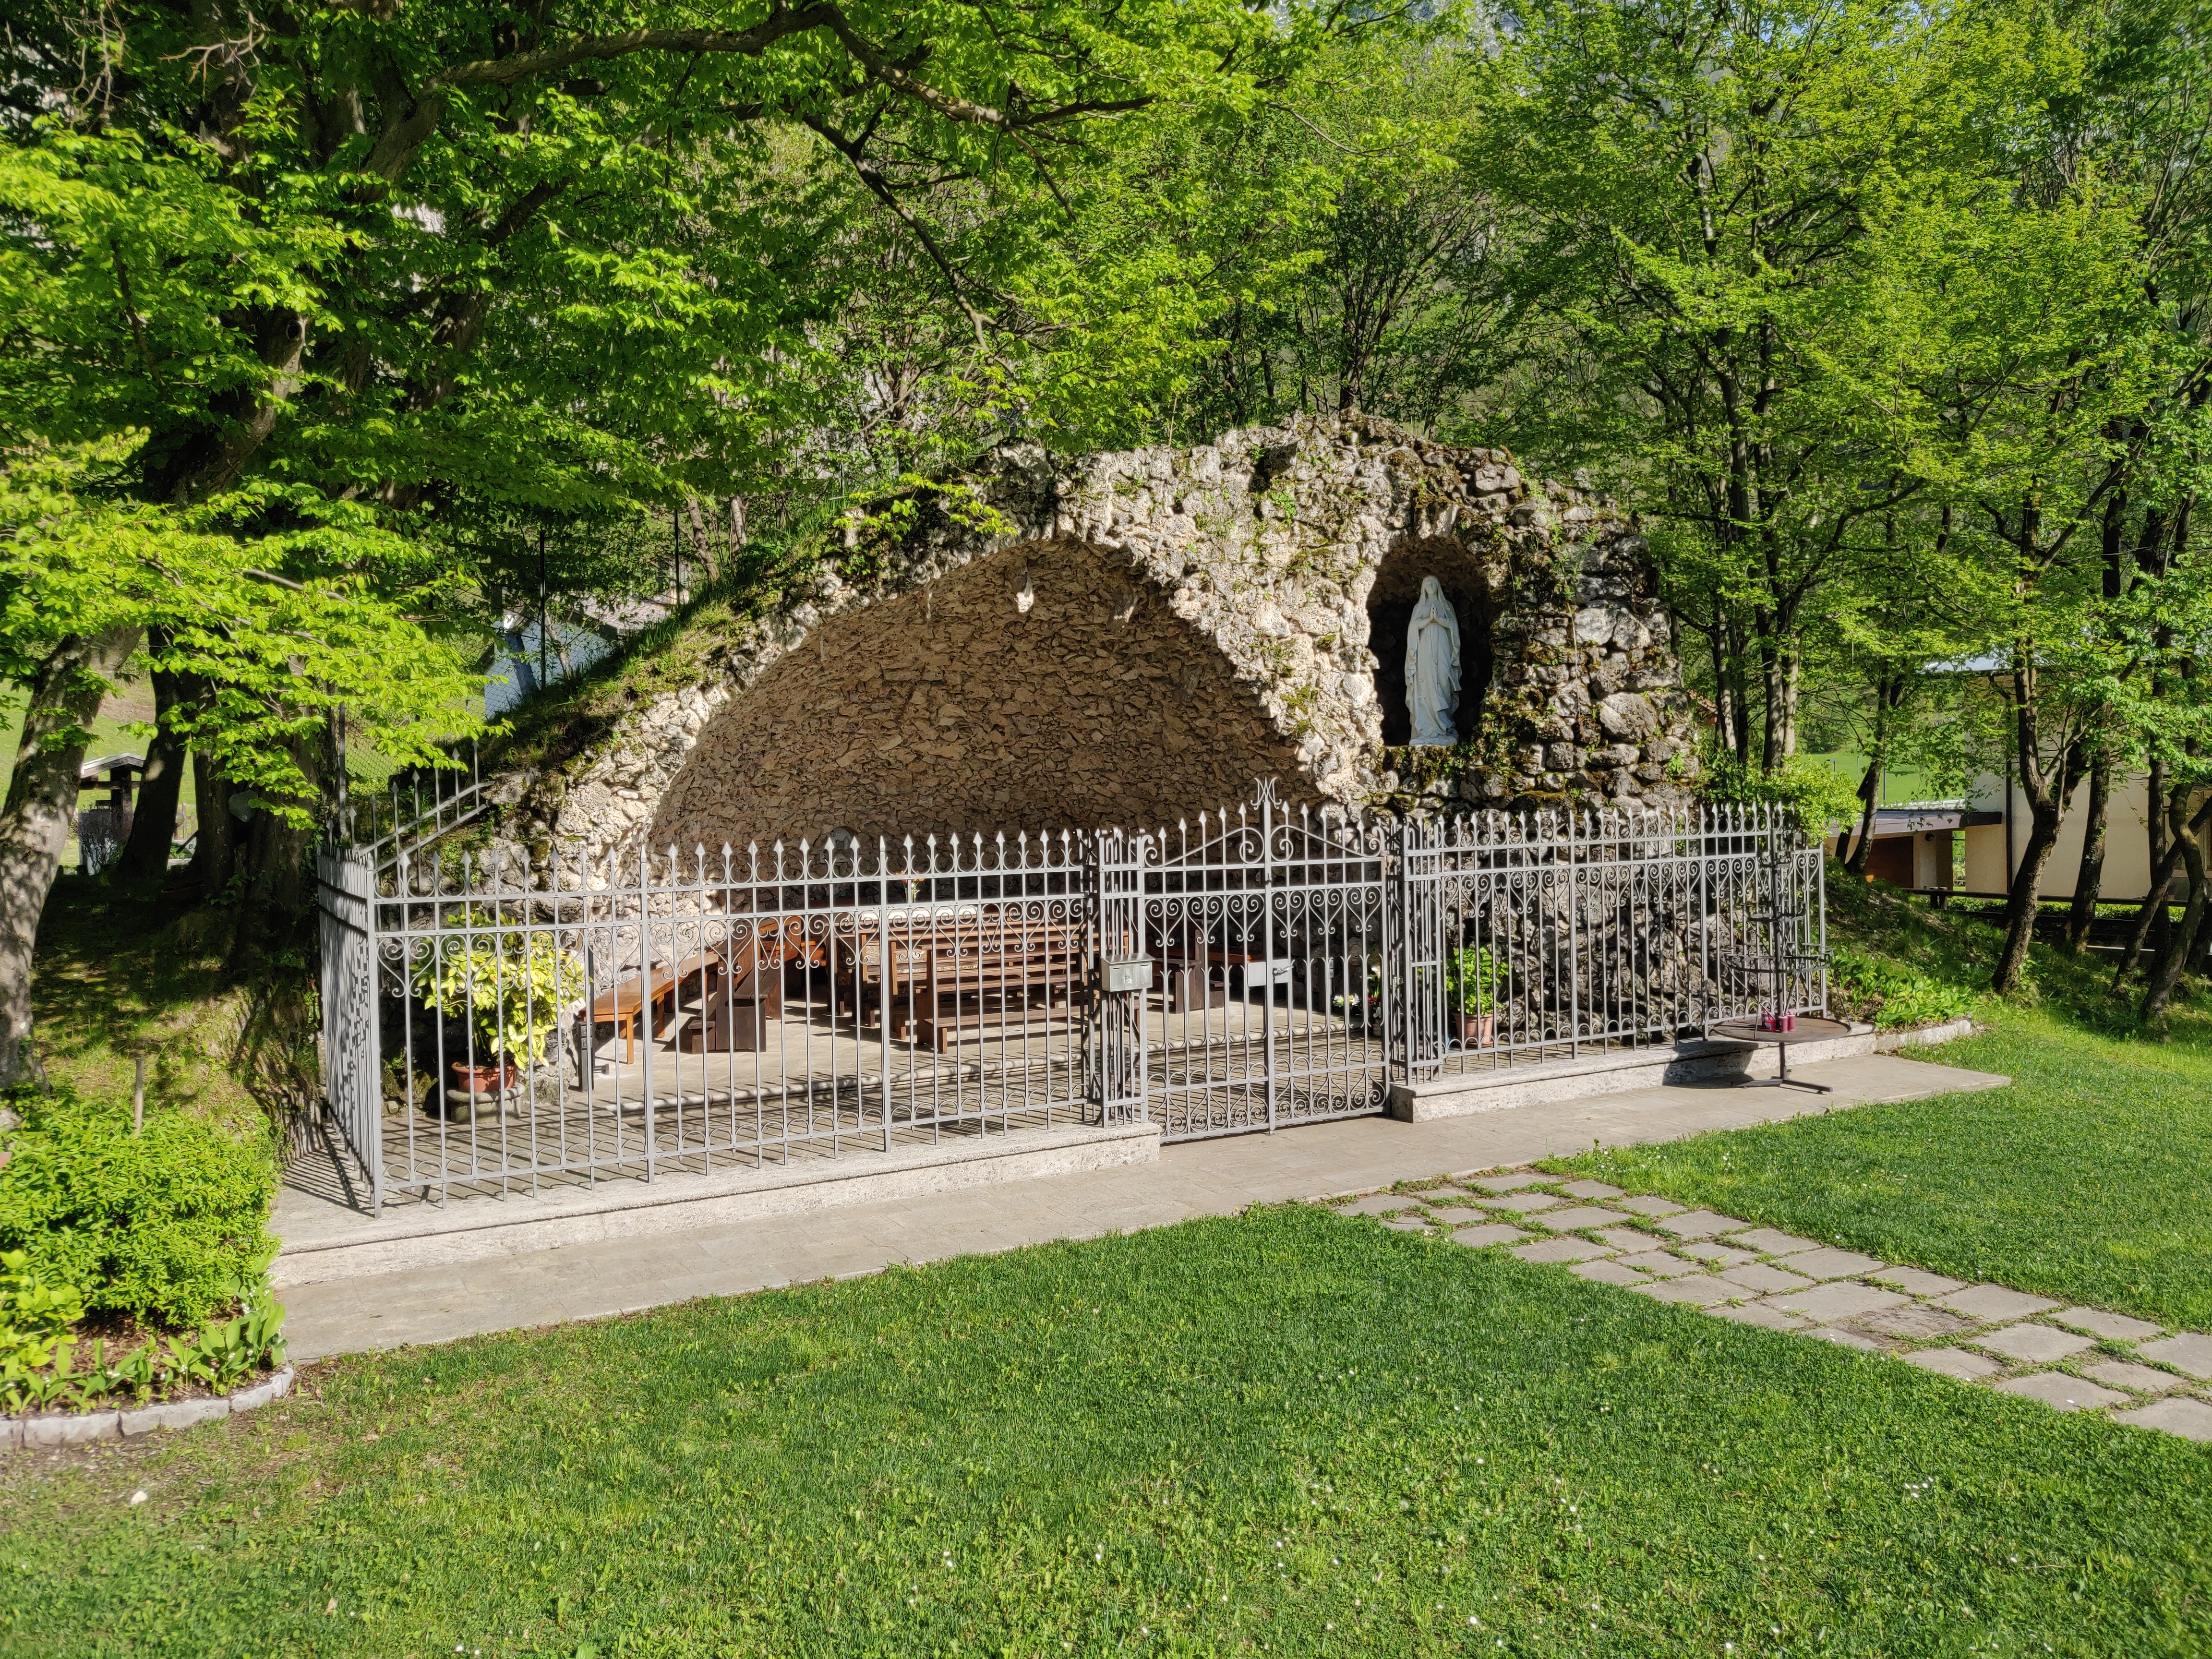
(1461, 592)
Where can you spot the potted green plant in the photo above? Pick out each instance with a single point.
(1472, 978)
(512, 986)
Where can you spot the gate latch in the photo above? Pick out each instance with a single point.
(1135, 974)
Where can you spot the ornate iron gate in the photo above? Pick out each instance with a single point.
(1269, 933)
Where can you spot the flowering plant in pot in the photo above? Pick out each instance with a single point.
(512, 986)
(1472, 977)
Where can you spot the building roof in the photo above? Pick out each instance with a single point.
(1924, 817)
(92, 769)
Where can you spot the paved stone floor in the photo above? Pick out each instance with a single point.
(2071, 1359)
(589, 1279)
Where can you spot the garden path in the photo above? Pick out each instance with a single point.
(2071, 1359)
(523, 1289)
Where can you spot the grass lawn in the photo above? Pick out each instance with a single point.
(1287, 1432)
(2089, 1178)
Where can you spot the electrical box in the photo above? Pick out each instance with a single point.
(1135, 975)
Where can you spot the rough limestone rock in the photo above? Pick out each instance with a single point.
(1129, 638)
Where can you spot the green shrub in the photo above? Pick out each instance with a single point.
(161, 1227)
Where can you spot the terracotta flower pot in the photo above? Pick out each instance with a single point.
(483, 1079)
(1478, 1031)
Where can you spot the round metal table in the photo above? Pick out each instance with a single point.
(1810, 1028)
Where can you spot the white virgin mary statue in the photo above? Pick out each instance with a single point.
(1432, 668)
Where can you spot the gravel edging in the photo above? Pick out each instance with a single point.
(53, 1430)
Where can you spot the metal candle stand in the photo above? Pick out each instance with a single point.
(1775, 971)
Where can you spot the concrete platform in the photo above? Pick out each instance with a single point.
(593, 1276)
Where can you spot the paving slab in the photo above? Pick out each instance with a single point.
(1629, 1238)
(1720, 1255)
(1409, 1224)
(1828, 1263)
(1699, 1224)
(1651, 1207)
(1760, 1279)
(1767, 1242)
(1702, 1291)
(2114, 1327)
(1758, 1313)
(1844, 1337)
(1913, 1282)
(2035, 1345)
(514, 1287)
(2189, 1419)
(1527, 1203)
(1993, 1304)
(1966, 1366)
(1590, 1189)
(1661, 1263)
(1574, 1220)
(1608, 1273)
(1512, 1183)
(1845, 1298)
(1915, 1321)
(2139, 1379)
(2191, 1352)
(1560, 1249)
(1496, 1232)
(1379, 1204)
(2060, 1391)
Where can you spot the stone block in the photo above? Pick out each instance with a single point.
(1650, 1206)
(1379, 1204)
(1628, 1238)
(2139, 1379)
(1846, 1338)
(1915, 1321)
(1832, 1264)
(1510, 1184)
(1954, 1362)
(1560, 1249)
(11, 1433)
(1590, 1189)
(1828, 1305)
(1758, 1314)
(2059, 1391)
(2115, 1328)
(1608, 1273)
(2190, 1353)
(2189, 1419)
(70, 1429)
(1574, 1220)
(1527, 1203)
(1913, 1282)
(175, 1414)
(1761, 1280)
(1720, 1255)
(1993, 1304)
(262, 1394)
(1699, 1224)
(1767, 1242)
(1662, 1264)
(2034, 1344)
(1496, 1232)
(1701, 1292)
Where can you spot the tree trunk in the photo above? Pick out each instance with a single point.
(41, 805)
(2161, 873)
(702, 544)
(154, 823)
(1870, 793)
(2173, 961)
(2090, 880)
(273, 862)
(2155, 911)
(2020, 904)
(215, 854)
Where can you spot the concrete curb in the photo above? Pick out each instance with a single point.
(53, 1430)
(360, 1245)
(1692, 1061)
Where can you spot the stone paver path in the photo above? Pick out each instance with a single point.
(2070, 1358)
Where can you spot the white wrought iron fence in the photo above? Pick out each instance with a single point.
(491, 1022)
